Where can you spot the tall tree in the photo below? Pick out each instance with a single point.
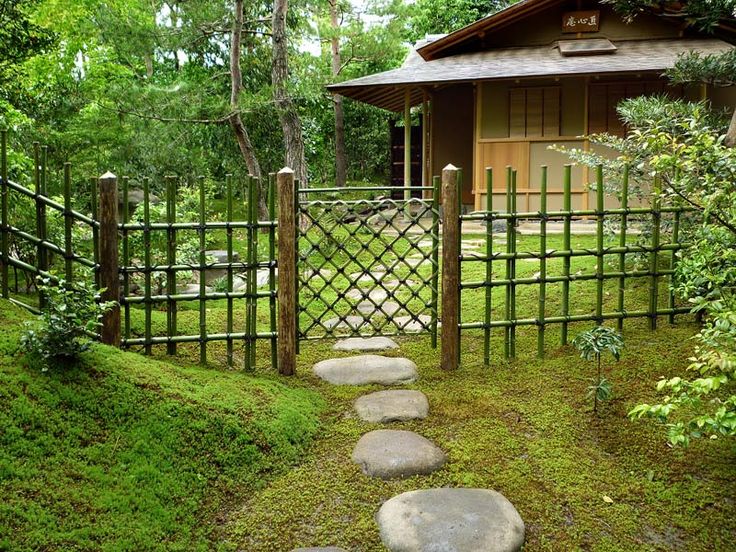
(341, 160)
(288, 115)
(236, 86)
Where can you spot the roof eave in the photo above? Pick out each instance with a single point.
(504, 17)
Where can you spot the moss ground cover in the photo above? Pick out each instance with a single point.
(524, 428)
(121, 452)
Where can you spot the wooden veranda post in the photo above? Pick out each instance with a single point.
(287, 303)
(450, 268)
(109, 257)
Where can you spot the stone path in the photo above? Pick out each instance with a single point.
(441, 520)
(451, 520)
(366, 369)
(365, 344)
(395, 405)
(397, 454)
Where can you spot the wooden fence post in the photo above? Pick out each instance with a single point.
(287, 301)
(450, 268)
(109, 278)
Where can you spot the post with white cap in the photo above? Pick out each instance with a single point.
(109, 279)
(286, 294)
(450, 268)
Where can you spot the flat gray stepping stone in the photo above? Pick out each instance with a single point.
(410, 324)
(366, 369)
(395, 454)
(352, 322)
(193, 289)
(393, 405)
(450, 520)
(377, 295)
(319, 549)
(385, 309)
(365, 344)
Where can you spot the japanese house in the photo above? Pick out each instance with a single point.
(500, 91)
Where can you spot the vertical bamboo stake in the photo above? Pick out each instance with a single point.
(229, 246)
(272, 268)
(509, 239)
(68, 252)
(567, 209)
(95, 229)
(4, 245)
(301, 226)
(202, 273)
(489, 268)
(458, 243)
(44, 260)
(252, 283)
(126, 258)
(653, 255)
(171, 261)
(450, 267)
(622, 244)
(512, 222)
(110, 333)
(542, 261)
(147, 261)
(599, 245)
(435, 257)
(40, 218)
(287, 300)
(249, 274)
(673, 259)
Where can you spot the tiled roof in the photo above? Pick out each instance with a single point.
(387, 89)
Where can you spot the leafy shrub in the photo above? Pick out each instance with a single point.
(592, 344)
(70, 318)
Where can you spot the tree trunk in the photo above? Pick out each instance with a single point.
(731, 133)
(341, 162)
(290, 122)
(236, 122)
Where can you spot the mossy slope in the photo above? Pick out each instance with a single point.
(121, 452)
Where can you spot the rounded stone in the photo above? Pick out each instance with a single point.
(395, 454)
(319, 549)
(365, 344)
(394, 405)
(366, 369)
(450, 520)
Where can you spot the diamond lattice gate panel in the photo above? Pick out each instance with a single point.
(367, 264)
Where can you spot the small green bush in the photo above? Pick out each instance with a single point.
(69, 319)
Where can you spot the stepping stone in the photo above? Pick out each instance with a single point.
(193, 289)
(370, 278)
(365, 344)
(375, 295)
(351, 322)
(319, 549)
(395, 405)
(217, 256)
(393, 284)
(386, 309)
(450, 520)
(366, 369)
(395, 454)
(410, 325)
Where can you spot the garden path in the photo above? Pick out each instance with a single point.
(448, 519)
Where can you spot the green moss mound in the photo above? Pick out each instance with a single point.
(121, 452)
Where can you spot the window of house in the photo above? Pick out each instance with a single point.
(534, 111)
(603, 98)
